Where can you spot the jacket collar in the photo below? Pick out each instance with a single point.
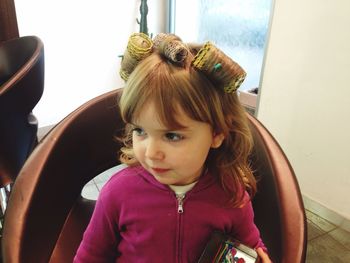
(205, 180)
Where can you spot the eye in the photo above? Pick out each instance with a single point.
(173, 136)
(138, 131)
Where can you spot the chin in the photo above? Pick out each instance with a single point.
(165, 181)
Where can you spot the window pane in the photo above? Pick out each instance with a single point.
(238, 27)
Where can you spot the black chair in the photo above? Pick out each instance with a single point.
(21, 87)
(46, 215)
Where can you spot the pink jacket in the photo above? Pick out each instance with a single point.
(137, 219)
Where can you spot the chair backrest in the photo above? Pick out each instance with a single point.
(46, 215)
(8, 20)
(21, 87)
(278, 206)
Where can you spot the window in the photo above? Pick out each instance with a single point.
(238, 27)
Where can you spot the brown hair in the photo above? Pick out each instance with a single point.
(169, 85)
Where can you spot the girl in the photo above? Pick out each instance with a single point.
(186, 146)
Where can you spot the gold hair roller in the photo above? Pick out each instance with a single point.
(171, 47)
(219, 67)
(139, 47)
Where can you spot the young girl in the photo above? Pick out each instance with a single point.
(187, 144)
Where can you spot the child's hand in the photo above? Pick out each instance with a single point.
(263, 256)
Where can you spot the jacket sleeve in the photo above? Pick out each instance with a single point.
(101, 237)
(247, 232)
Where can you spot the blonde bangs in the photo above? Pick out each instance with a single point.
(158, 81)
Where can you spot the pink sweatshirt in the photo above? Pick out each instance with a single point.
(137, 219)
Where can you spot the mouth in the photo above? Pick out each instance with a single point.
(160, 170)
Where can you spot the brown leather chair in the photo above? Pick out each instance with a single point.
(278, 206)
(21, 87)
(46, 215)
(8, 20)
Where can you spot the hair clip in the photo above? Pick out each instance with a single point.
(139, 47)
(171, 47)
(219, 67)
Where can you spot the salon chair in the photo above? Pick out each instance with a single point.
(21, 87)
(47, 215)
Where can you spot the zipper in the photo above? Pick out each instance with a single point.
(180, 210)
(180, 201)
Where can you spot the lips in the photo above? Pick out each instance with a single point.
(160, 170)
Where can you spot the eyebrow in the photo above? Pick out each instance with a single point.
(183, 129)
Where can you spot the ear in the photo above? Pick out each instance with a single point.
(217, 140)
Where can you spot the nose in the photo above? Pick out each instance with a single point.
(154, 150)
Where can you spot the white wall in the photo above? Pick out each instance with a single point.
(305, 95)
(82, 40)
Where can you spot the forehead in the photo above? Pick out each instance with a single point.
(149, 115)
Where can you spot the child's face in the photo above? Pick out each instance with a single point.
(172, 157)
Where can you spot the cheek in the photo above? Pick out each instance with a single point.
(137, 149)
(201, 156)
(194, 157)
(203, 152)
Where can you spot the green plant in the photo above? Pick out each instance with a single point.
(143, 21)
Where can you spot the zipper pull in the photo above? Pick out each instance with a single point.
(180, 208)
